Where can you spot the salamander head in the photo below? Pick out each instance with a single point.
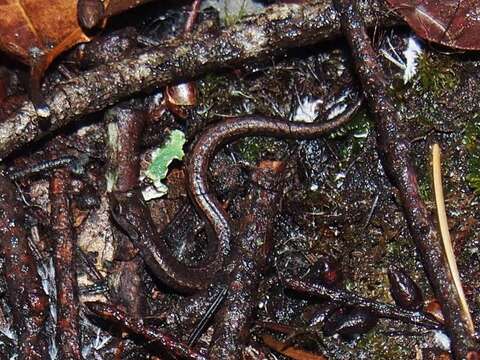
(121, 210)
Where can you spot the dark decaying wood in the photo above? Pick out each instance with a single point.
(25, 295)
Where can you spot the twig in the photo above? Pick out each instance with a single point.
(68, 333)
(372, 210)
(211, 311)
(348, 298)
(290, 351)
(256, 38)
(76, 165)
(25, 295)
(125, 126)
(111, 313)
(249, 255)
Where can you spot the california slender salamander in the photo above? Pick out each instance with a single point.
(132, 214)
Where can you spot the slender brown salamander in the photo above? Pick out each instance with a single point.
(132, 214)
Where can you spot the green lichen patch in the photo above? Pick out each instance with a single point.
(163, 157)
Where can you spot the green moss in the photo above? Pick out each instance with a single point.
(210, 88)
(233, 18)
(382, 348)
(254, 148)
(400, 249)
(359, 127)
(425, 190)
(436, 75)
(352, 136)
(471, 141)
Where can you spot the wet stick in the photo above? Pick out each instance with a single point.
(24, 292)
(348, 298)
(125, 124)
(68, 329)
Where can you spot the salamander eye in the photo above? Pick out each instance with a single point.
(117, 209)
(115, 206)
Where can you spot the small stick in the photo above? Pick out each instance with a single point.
(76, 164)
(174, 347)
(125, 126)
(192, 16)
(289, 351)
(68, 335)
(211, 311)
(250, 252)
(348, 298)
(372, 210)
(25, 295)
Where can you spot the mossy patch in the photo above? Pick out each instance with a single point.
(254, 148)
(353, 135)
(379, 348)
(436, 75)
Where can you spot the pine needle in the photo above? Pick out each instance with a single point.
(445, 234)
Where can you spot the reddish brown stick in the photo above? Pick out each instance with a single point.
(347, 298)
(68, 336)
(126, 124)
(394, 151)
(25, 295)
(174, 347)
(192, 16)
(247, 262)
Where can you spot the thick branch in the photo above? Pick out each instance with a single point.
(256, 38)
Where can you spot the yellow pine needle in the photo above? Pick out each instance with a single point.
(445, 235)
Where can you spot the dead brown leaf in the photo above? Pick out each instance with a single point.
(290, 351)
(453, 23)
(36, 32)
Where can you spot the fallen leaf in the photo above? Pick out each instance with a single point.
(451, 23)
(36, 32)
(290, 351)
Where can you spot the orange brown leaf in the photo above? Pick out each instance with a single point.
(32, 29)
(290, 351)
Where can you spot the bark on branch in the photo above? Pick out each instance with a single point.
(255, 38)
